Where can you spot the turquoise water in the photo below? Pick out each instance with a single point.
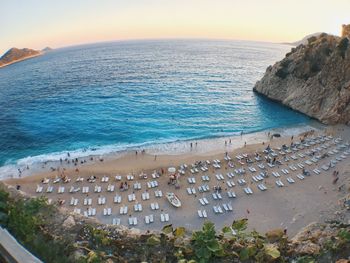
(121, 95)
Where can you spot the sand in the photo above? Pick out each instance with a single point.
(291, 207)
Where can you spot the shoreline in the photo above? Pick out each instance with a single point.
(22, 59)
(290, 207)
(205, 147)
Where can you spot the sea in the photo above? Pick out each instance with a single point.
(126, 95)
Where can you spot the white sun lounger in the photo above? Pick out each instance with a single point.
(131, 197)
(110, 188)
(261, 166)
(117, 199)
(138, 207)
(91, 211)
(285, 171)
(145, 196)
(164, 217)
(98, 189)
(137, 186)
(227, 207)
(73, 201)
(231, 194)
(270, 165)
(87, 201)
(158, 193)
(191, 180)
(104, 179)
(107, 211)
(252, 169)
(248, 191)
(230, 183)
(218, 209)
(132, 221)
(290, 180)
(49, 189)
(123, 210)
(79, 179)
(101, 200)
(154, 206)
(116, 221)
(118, 178)
(200, 213)
(205, 178)
(262, 187)
(147, 220)
(60, 189)
(279, 183)
(301, 177)
(316, 171)
(276, 174)
(85, 189)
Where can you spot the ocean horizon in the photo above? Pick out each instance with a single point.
(117, 96)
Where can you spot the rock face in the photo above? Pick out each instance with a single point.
(345, 31)
(16, 55)
(313, 79)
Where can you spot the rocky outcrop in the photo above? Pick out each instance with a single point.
(16, 55)
(313, 79)
(345, 31)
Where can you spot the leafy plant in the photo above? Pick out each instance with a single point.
(206, 246)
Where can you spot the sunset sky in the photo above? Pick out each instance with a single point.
(37, 24)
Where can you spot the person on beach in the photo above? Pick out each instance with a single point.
(191, 145)
(155, 158)
(245, 144)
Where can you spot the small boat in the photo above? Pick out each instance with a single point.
(173, 199)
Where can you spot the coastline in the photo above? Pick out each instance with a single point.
(290, 207)
(205, 147)
(22, 59)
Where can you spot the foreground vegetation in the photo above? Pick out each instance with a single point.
(40, 228)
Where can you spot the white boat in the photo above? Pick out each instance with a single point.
(173, 199)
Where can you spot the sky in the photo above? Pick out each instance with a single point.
(37, 23)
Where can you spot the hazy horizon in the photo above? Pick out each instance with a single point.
(36, 24)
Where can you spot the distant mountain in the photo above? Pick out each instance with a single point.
(15, 55)
(303, 40)
(47, 49)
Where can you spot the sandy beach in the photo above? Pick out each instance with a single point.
(291, 207)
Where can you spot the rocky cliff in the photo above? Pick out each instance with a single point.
(313, 79)
(16, 55)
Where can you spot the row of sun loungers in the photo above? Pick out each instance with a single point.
(191, 180)
(152, 184)
(191, 190)
(202, 213)
(262, 187)
(204, 201)
(248, 190)
(279, 183)
(205, 178)
(231, 194)
(138, 207)
(203, 188)
(216, 196)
